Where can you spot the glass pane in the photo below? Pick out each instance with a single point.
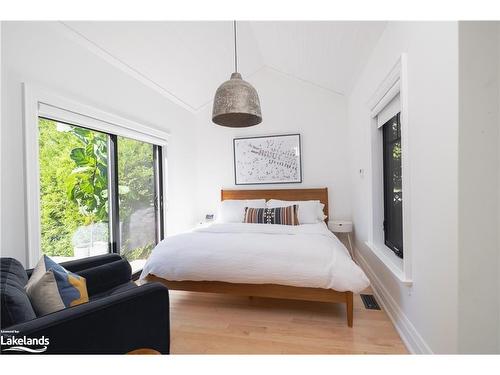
(393, 193)
(136, 186)
(396, 200)
(395, 134)
(73, 191)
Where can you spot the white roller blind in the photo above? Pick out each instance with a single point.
(101, 124)
(388, 105)
(389, 111)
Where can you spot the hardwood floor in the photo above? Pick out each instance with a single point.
(223, 324)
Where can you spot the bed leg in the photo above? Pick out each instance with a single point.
(350, 308)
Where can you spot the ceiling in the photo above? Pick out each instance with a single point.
(187, 61)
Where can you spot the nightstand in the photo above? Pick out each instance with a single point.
(342, 226)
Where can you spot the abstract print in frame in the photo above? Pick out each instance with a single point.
(272, 159)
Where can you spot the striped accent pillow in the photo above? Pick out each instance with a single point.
(277, 215)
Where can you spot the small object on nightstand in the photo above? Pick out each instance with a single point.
(209, 218)
(342, 226)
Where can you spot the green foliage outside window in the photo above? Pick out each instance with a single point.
(60, 216)
(87, 184)
(74, 184)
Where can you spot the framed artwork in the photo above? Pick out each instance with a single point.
(272, 159)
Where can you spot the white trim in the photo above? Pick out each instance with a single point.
(391, 261)
(165, 188)
(412, 339)
(387, 83)
(1, 124)
(39, 101)
(405, 169)
(395, 83)
(33, 233)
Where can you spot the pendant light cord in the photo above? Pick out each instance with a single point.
(235, 49)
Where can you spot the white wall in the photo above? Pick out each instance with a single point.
(288, 106)
(426, 312)
(39, 52)
(478, 187)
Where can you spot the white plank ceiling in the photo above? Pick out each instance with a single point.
(189, 60)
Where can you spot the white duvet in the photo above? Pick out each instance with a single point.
(306, 255)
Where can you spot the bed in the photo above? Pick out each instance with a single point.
(304, 262)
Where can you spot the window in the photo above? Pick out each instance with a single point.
(99, 193)
(73, 191)
(389, 232)
(90, 174)
(393, 192)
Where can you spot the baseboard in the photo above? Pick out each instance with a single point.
(407, 331)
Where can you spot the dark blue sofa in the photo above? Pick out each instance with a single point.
(120, 316)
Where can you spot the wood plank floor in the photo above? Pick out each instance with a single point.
(203, 323)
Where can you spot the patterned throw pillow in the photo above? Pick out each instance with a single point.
(52, 288)
(277, 215)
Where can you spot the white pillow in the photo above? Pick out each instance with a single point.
(233, 211)
(309, 212)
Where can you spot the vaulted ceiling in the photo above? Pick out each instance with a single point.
(188, 60)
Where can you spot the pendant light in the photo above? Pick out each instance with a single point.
(236, 102)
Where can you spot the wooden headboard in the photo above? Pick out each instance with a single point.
(282, 194)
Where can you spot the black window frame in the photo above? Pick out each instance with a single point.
(114, 201)
(388, 188)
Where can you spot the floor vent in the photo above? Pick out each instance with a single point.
(370, 302)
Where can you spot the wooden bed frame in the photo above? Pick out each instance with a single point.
(268, 290)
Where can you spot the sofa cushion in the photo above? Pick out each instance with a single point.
(16, 306)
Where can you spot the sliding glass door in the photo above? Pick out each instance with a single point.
(99, 193)
(136, 192)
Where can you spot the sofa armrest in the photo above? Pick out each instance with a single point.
(106, 276)
(78, 265)
(138, 318)
(84, 263)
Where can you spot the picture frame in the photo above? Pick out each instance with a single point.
(271, 159)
